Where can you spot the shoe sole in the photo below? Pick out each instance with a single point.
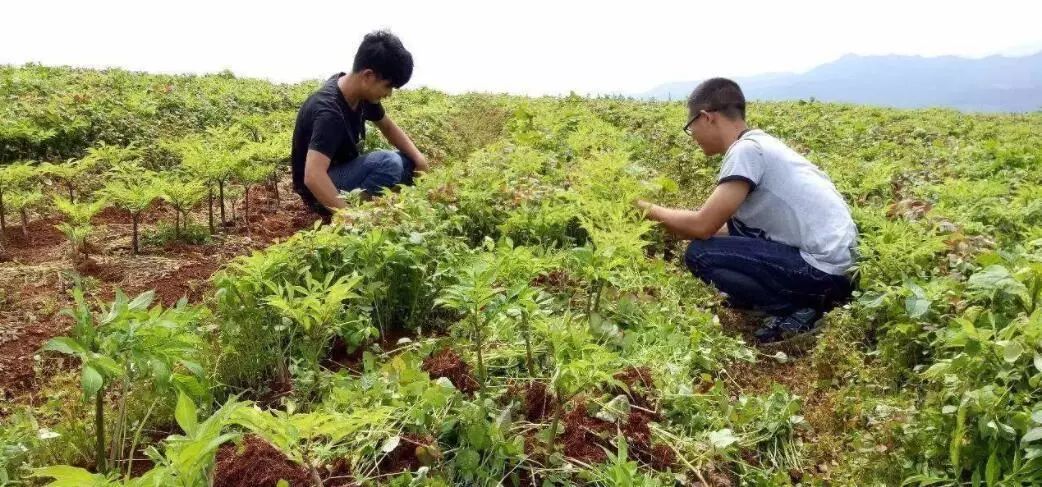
(796, 341)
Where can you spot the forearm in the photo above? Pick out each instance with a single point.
(408, 148)
(685, 224)
(324, 191)
(401, 141)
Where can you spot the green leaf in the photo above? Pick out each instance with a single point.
(872, 300)
(1011, 351)
(143, 300)
(997, 278)
(668, 185)
(66, 476)
(390, 444)
(1034, 434)
(107, 365)
(186, 414)
(477, 435)
(65, 345)
(1038, 362)
(722, 438)
(992, 469)
(468, 460)
(192, 367)
(91, 381)
(916, 306)
(160, 371)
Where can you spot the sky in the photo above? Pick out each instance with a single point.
(531, 47)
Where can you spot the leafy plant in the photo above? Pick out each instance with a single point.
(77, 226)
(182, 194)
(12, 178)
(24, 202)
(128, 343)
(187, 459)
(318, 310)
(133, 189)
(474, 296)
(69, 173)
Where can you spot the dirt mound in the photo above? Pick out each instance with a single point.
(556, 279)
(639, 386)
(410, 454)
(256, 464)
(45, 243)
(448, 364)
(585, 437)
(17, 352)
(105, 272)
(637, 431)
(538, 403)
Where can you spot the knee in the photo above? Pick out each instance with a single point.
(695, 257)
(388, 162)
(408, 169)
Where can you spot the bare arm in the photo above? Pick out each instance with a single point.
(706, 221)
(398, 138)
(316, 178)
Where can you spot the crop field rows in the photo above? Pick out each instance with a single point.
(170, 314)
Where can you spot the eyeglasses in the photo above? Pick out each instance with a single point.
(687, 126)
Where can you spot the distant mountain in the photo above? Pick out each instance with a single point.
(991, 84)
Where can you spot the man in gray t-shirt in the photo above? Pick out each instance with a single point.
(775, 235)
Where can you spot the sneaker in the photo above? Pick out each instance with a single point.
(783, 327)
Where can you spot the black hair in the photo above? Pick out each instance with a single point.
(383, 52)
(720, 95)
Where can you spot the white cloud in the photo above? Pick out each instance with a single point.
(532, 47)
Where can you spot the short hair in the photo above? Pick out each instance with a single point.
(718, 94)
(383, 52)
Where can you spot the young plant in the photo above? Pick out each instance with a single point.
(77, 226)
(301, 435)
(24, 201)
(128, 344)
(318, 310)
(12, 178)
(132, 189)
(260, 162)
(475, 296)
(187, 459)
(525, 303)
(213, 158)
(251, 174)
(580, 364)
(183, 195)
(69, 174)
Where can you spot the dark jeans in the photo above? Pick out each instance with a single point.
(765, 276)
(372, 172)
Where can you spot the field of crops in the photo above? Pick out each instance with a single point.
(510, 319)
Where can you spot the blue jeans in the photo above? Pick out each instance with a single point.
(373, 172)
(762, 275)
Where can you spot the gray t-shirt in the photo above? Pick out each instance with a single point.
(791, 202)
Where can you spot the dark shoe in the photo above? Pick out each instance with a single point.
(783, 327)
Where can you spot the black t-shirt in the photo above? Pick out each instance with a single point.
(327, 124)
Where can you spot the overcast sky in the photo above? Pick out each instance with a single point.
(526, 46)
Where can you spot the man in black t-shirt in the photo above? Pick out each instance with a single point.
(328, 138)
